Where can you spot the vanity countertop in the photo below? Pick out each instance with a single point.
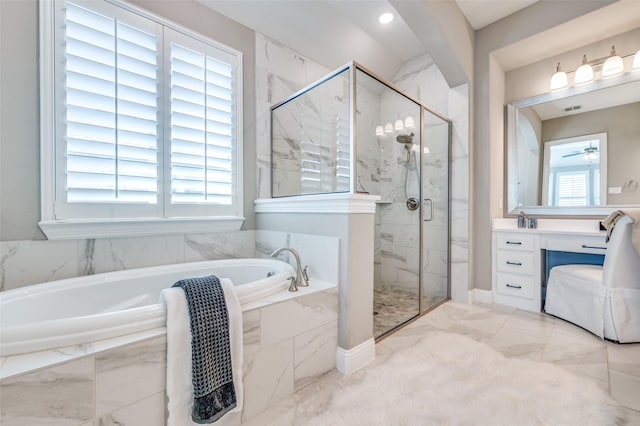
(552, 226)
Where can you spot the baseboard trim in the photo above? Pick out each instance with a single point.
(349, 361)
(477, 295)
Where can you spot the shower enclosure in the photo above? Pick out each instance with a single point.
(354, 132)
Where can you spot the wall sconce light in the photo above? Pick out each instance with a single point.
(559, 80)
(408, 122)
(399, 125)
(636, 61)
(584, 73)
(379, 130)
(613, 65)
(388, 128)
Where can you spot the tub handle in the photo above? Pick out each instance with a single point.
(292, 286)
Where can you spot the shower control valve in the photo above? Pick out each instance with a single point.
(413, 204)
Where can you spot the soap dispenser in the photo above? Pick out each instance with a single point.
(522, 220)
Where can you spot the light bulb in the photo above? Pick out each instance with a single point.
(636, 61)
(408, 122)
(385, 18)
(559, 80)
(584, 73)
(388, 128)
(613, 65)
(399, 125)
(379, 131)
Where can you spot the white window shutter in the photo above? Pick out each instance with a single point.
(203, 130)
(111, 105)
(572, 189)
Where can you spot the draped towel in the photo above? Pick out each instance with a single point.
(204, 351)
(610, 222)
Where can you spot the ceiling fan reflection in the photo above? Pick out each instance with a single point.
(589, 153)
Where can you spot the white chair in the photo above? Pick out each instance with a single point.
(602, 299)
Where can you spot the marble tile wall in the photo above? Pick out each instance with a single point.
(380, 168)
(123, 386)
(24, 263)
(286, 346)
(320, 253)
(422, 79)
(280, 72)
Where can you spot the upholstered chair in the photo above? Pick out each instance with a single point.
(602, 299)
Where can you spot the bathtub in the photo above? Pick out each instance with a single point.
(86, 309)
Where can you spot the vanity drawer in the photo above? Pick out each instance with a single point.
(517, 262)
(580, 244)
(516, 285)
(515, 241)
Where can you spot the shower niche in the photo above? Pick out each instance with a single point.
(354, 132)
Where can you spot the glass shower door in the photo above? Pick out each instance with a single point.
(435, 211)
(388, 154)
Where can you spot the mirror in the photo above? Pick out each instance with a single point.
(575, 152)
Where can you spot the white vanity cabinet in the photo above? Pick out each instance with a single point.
(517, 255)
(516, 269)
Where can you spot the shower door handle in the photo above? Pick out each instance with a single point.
(430, 201)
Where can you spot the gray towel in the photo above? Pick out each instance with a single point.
(213, 389)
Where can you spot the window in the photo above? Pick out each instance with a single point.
(574, 171)
(141, 125)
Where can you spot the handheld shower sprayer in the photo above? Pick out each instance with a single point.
(405, 139)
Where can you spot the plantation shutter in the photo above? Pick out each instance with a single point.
(343, 152)
(202, 125)
(325, 148)
(572, 189)
(144, 120)
(111, 107)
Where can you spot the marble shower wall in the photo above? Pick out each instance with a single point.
(29, 262)
(311, 149)
(422, 79)
(280, 72)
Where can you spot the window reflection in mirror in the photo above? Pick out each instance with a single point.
(573, 171)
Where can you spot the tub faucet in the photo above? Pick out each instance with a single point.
(301, 277)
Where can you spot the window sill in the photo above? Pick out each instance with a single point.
(79, 229)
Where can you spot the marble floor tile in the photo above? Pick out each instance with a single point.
(513, 343)
(577, 351)
(624, 358)
(513, 332)
(625, 389)
(632, 416)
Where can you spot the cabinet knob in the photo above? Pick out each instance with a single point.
(516, 243)
(514, 263)
(514, 286)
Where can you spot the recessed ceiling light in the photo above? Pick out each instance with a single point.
(385, 18)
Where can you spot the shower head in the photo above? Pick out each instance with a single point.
(404, 138)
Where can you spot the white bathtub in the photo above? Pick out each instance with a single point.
(86, 309)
